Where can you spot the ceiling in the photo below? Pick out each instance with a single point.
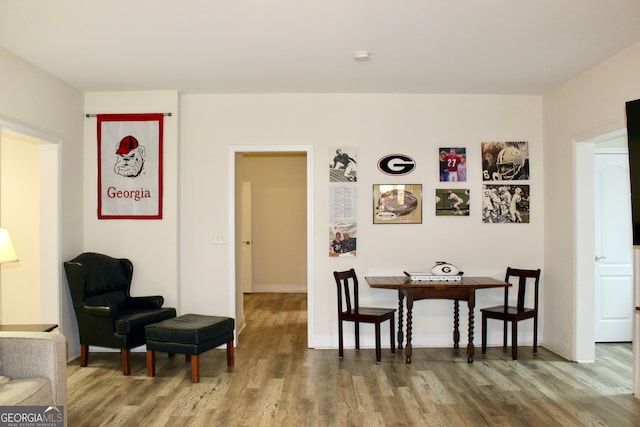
(307, 46)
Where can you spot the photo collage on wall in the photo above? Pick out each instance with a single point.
(505, 190)
(505, 175)
(452, 200)
(343, 227)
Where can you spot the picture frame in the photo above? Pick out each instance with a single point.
(506, 203)
(453, 164)
(343, 164)
(505, 160)
(397, 203)
(453, 201)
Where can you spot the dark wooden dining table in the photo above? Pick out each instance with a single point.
(458, 290)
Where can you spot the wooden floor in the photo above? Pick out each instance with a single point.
(277, 381)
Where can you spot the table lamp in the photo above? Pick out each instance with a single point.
(7, 250)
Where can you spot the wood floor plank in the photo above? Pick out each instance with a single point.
(278, 381)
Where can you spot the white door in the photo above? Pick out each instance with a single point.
(246, 269)
(613, 246)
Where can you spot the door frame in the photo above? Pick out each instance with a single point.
(247, 285)
(584, 346)
(51, 278)
(240, 149)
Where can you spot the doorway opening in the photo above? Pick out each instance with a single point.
(273, 210)
(236, 288)
(30, 208)
(585, 242)
(613, 243)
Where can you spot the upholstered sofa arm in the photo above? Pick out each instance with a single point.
(36, 355)
(145, 302)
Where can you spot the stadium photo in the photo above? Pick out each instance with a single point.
(397, 203)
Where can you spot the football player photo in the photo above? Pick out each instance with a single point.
(453, 164)
(342, 236)
(343, 166)
(505, 203)
(453, 201)
(505, 161)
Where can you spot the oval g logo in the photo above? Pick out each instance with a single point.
(396, 164)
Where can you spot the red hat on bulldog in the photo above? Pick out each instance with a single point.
(127, 144)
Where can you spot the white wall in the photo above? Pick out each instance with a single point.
(416, 125)
(590, 104)
(35, 100)
(152, 245)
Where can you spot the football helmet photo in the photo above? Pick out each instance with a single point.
(510, 162)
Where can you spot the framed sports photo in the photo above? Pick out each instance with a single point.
(503, 203)
(397, 203)
(453, 164)
(505, 161)
(343, 164)
(452, 201)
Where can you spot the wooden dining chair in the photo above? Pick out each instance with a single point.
(355, 313)
(514, 314)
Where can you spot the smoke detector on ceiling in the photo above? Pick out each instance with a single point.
(361, 56)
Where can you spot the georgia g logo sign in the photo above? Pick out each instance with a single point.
(396, 164)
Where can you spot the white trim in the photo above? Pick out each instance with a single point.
(584, 348)
(584, 148)
(50, 220)
(33, 133)
(308, 149)
(610, 150)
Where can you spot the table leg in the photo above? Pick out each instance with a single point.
(472, 304)
(400, 318)
(456, 324)
(408, 349)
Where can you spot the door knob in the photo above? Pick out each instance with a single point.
(598, 258)
(247, 242)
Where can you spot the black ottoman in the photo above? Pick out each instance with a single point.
(189, 334)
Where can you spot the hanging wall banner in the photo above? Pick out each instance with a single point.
(130, 166)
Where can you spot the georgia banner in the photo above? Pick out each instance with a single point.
(130, 166)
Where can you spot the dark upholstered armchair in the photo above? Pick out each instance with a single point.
(108, 316)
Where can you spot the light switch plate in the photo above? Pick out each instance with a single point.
(216, 238)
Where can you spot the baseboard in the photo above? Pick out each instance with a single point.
(73, 352)
(443, 340)
(561, 349)
(293, 289)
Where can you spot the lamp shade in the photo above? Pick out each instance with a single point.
(7, 251)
